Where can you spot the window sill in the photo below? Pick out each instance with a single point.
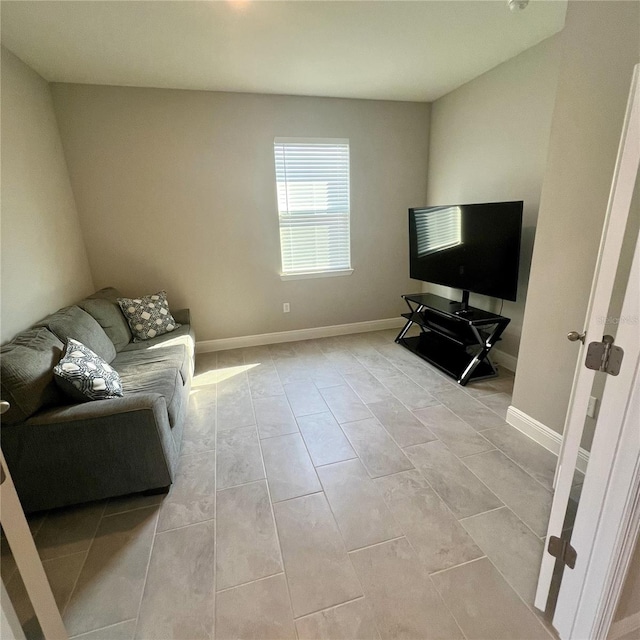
(315, 274)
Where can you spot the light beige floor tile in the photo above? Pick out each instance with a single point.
(274, 416)
(257, 611)
(238, 457)
(247, 545)
(459, 437)
(485, 606)
(404, 601)
(378, 365)
(234, 406)
(353, 620)
(378, 452)
(68, 530)
(112, 579)
(199, 428)
(205, 362)
(344, 362)
(464, 494)
(325, 439)
(428, 377)
(290, 472)
(497, 402)
(293, 371)
(316, 563)
(120, 631)
(61, 573)
(264, 383)
(362, 516)
(259, 355)
(345, 404)
(411, 394)
(368, 387)
(533, 458)
(178, 598)
(511, 546)
(473, 412)
(192, 497)
(530, 501)
(437, 537)
(131, 502)
(230, 358)
(401, 424)
(398, 355)
(304, 398)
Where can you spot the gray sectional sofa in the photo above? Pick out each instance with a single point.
(61, 453)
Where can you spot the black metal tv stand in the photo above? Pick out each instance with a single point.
(454, 337)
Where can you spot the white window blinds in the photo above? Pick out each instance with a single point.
(313, 204)
(437, 230)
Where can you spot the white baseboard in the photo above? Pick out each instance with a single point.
(623, 627)
(543, 435)
(504, 359)
(240, 342)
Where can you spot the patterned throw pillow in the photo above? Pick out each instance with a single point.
(148, 316)
(83, 375)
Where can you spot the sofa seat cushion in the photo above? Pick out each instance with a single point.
(176, 356)
(183, 335)
(166, 382)
(103, 306)
(26, 373)
(73, 322)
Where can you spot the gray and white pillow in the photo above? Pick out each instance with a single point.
(83, 375)
(148, 316)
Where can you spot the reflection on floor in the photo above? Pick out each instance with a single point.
(332, 488)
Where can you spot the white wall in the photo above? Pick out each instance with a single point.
(44, 262)
(600, 47)
(489, 143)
(176, 190)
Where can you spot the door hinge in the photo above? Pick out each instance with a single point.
(562, 550)
(604, 356)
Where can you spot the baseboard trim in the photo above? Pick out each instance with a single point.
(205, 346)
(543, 435)
(623, 627)
(505, 360)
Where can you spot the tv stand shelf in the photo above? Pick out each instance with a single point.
(454, 337)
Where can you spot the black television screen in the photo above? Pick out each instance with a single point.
(473, 247)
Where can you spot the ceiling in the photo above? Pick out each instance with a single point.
(389, 50)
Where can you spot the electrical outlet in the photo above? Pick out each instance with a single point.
(285, 307)
(592, 407)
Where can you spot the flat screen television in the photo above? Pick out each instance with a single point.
(473, 247)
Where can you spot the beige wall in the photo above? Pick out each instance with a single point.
(600, 48)
(489, 143)
(44, 262)
(176, 190)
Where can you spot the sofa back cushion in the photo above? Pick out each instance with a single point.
(26, 373)
(73, 322)
(103, 306)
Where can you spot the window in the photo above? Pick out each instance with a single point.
(312, 177)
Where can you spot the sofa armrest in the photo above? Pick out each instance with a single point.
(93, 450)
(102, 409)
(182, 316)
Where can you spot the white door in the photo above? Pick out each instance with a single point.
(582, 601)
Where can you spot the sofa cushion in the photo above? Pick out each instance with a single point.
(148, 316)
(103, 306)
(167, 382)
(73, 322)
(176, 356)
(182, 335)
(26, 373)
(83, 375)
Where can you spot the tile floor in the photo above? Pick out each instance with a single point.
(333, 488)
